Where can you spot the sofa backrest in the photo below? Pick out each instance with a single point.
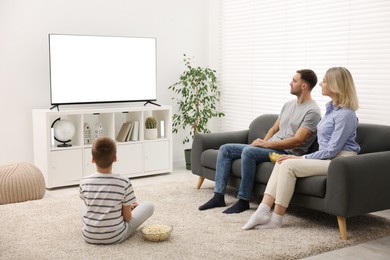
(371, 137)
(260, 126)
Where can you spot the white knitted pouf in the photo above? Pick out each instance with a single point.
(20, 182)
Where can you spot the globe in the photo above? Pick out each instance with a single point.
(64, 130)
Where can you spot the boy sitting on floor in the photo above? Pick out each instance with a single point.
(110, 213)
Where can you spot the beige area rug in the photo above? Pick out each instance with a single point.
(50, 229)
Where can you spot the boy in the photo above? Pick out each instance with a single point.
(110, 213)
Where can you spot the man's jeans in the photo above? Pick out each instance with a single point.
(250, 157)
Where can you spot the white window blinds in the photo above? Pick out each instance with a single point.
(263, 43)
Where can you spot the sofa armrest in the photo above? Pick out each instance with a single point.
(358, 185)
(207, 141)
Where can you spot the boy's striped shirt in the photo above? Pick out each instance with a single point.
(104, 195)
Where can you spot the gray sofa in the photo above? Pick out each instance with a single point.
(354, 185)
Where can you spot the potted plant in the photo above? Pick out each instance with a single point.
(150, 128)
(198, 95)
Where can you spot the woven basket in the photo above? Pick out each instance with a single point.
(20, 182)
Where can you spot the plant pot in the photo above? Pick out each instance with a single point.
(187, 156)
(151, 134)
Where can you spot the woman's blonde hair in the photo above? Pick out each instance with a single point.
(340, 82)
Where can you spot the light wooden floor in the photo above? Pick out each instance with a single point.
(377, 249)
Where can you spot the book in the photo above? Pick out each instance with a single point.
(123, 132)
(130, 131)
(134, 134)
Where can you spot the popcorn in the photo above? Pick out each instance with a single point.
(156, 232)
(274, 156)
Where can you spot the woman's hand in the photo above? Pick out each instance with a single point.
(284, 157)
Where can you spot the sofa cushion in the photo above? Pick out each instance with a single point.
(208, 158)
(313, 186)
(263, 172)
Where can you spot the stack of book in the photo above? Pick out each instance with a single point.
(128, 132)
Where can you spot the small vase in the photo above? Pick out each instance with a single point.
(151, 134)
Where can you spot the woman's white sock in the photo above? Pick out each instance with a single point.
(274, 222)
(261, 216)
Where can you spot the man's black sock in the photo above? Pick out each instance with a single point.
(238, 207)
(217, 201)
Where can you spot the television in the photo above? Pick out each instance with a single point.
(102, 69)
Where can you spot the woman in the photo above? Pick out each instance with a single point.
(336, 134)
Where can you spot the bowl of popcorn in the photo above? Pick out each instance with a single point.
(156, 232)
(274, 156)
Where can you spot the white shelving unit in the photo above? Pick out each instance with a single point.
(65, 166)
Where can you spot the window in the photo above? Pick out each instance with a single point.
(263, 43)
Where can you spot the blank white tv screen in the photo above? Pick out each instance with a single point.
(101, 69)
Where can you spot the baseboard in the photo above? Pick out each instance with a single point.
(180, 163)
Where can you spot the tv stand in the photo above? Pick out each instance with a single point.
(65, 166)
(151, 102)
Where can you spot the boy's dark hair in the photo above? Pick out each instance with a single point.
(309, 76)
(104, 152)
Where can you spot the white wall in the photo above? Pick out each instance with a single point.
(181, 26)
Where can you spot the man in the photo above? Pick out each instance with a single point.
(293, 133)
